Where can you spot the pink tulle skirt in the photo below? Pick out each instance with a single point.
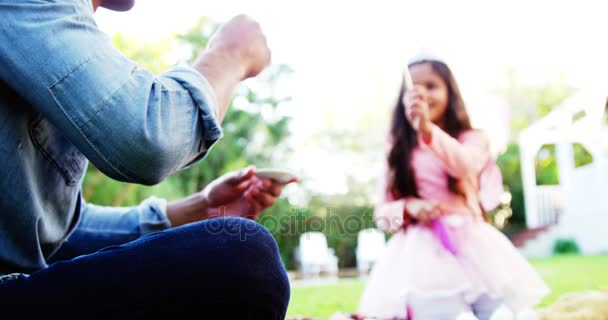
(416, 263)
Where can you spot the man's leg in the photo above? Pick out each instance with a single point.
(220, 268)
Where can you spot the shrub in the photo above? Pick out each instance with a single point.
(562, 246)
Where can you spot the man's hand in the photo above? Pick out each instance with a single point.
(240, 194)
(237, 51)
(235, 194)
(241, 39)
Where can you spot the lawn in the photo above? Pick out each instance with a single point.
(563, 274)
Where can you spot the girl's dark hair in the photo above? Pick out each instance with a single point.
(404, 138)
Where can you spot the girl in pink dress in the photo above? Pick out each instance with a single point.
(433, 166)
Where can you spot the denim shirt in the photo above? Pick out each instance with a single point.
(68, 96)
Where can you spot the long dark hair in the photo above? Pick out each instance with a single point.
(404, 138)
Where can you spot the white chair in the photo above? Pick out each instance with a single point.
(370, 245)
(314, 256)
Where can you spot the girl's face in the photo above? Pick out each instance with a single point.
(436, 89)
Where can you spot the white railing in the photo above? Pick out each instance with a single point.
(549, 204)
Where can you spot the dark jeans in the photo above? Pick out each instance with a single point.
(225, 268)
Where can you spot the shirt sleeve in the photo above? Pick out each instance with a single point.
(147, 217)
(463, 157)
(133, 125)
(100, 227)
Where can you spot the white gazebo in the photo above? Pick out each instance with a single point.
(577, 208)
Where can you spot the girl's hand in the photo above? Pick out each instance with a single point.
(417, 110)
(423, 210)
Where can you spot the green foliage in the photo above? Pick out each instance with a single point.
(197, 37)
(582, 157)
(340, 224)
(565, 246)
(546, 166)
(510, 166)
(339, 216)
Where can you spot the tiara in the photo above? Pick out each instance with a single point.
(424, 56)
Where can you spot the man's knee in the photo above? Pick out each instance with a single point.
(234, 228)
(249, 245)
(247, 255)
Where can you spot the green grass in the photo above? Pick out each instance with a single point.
(570, 273)
(563, 274)
(323, 301)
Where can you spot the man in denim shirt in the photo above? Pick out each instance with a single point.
(68, 96)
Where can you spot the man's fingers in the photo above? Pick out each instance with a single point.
(263, 198)
(235, 178)
(272, 186)
(275, 189)
(256, 207)
(241, 187)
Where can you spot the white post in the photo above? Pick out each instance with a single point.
(565, 166)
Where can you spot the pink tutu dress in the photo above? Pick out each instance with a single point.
(415, 263)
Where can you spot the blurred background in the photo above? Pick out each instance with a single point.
(533, 75)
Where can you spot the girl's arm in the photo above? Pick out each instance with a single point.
(463, 157)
